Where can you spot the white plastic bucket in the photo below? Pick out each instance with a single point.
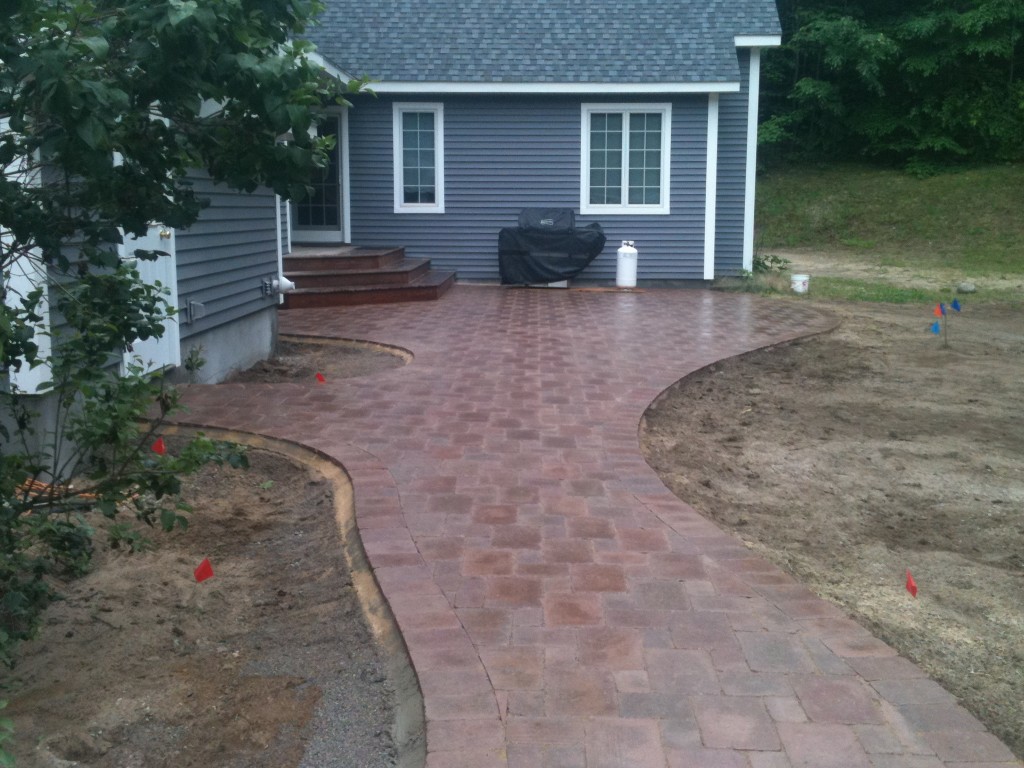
(799, 283)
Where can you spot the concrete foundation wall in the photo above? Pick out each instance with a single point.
(229, 348)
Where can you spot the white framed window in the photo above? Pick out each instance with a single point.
(626, 158)
(419, 157)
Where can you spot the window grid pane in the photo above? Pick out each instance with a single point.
(418, 162)
(644, 158)
(606, 140)
(625, 158)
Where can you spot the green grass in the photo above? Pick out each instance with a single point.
(861, 290)
(846, 289)
(969, 220)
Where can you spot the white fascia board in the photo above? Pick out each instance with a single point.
(440, 87)
(758, 41)
(329, 68)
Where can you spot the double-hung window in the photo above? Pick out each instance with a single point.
(625, 158)
(419, 157)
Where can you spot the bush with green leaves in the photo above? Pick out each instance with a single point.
(922, 83)
(105, 107)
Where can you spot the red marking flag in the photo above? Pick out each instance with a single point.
(938, 311)
(320, 378)
(159, 447)
(204, 571)
(911, 584)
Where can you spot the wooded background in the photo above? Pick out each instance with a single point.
(921, 83)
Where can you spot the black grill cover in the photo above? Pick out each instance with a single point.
(546, 247)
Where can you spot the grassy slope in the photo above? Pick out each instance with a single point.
(971, 220)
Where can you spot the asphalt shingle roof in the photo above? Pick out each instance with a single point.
(540, 41)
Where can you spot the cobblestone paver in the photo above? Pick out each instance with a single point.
(561, 608)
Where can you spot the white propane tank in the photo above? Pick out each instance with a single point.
(625, 271)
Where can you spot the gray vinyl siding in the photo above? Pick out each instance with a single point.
(503, 154)
(224, 257)
(732, 174)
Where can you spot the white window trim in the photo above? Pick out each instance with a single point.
(625, 209)
(398, 109)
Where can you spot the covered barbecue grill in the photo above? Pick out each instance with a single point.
(546, 247)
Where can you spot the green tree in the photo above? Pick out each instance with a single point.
(105, 106)
(921, 80)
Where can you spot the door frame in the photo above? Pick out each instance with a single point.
(343, 233)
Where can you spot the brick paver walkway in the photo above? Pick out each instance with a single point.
(560, 606)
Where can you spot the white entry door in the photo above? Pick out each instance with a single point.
(165, 352)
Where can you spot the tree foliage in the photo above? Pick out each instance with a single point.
(921, 81)
(105, 106)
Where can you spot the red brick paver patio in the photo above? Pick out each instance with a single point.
(560, 606)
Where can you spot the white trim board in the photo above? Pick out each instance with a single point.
(757, 41)
(711, 189)
(26, 273)
(753, 93)
(346, 185)
(442, 87)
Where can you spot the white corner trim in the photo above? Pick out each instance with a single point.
(397, 109)
(280, 242)
(343, 156)
(757, 41)
(753, 96)
(288, 225)
(26, 274)
(711, 189)
(441, 87)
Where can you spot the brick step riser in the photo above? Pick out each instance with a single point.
(342, 298)
(342, 263)
(345, 279)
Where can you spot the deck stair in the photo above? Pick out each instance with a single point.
(342, 275)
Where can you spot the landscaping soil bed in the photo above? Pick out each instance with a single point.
(852, 457)
(270, 663)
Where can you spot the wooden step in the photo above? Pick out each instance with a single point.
(340, 258)
(429, 286)
(399, 273)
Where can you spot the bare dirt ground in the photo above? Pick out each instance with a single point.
(813, 262)
(268, 664)
(847, 458)
(851, 457)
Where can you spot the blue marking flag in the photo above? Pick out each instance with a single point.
(956, 304)
(936, 328)
(942, 309)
